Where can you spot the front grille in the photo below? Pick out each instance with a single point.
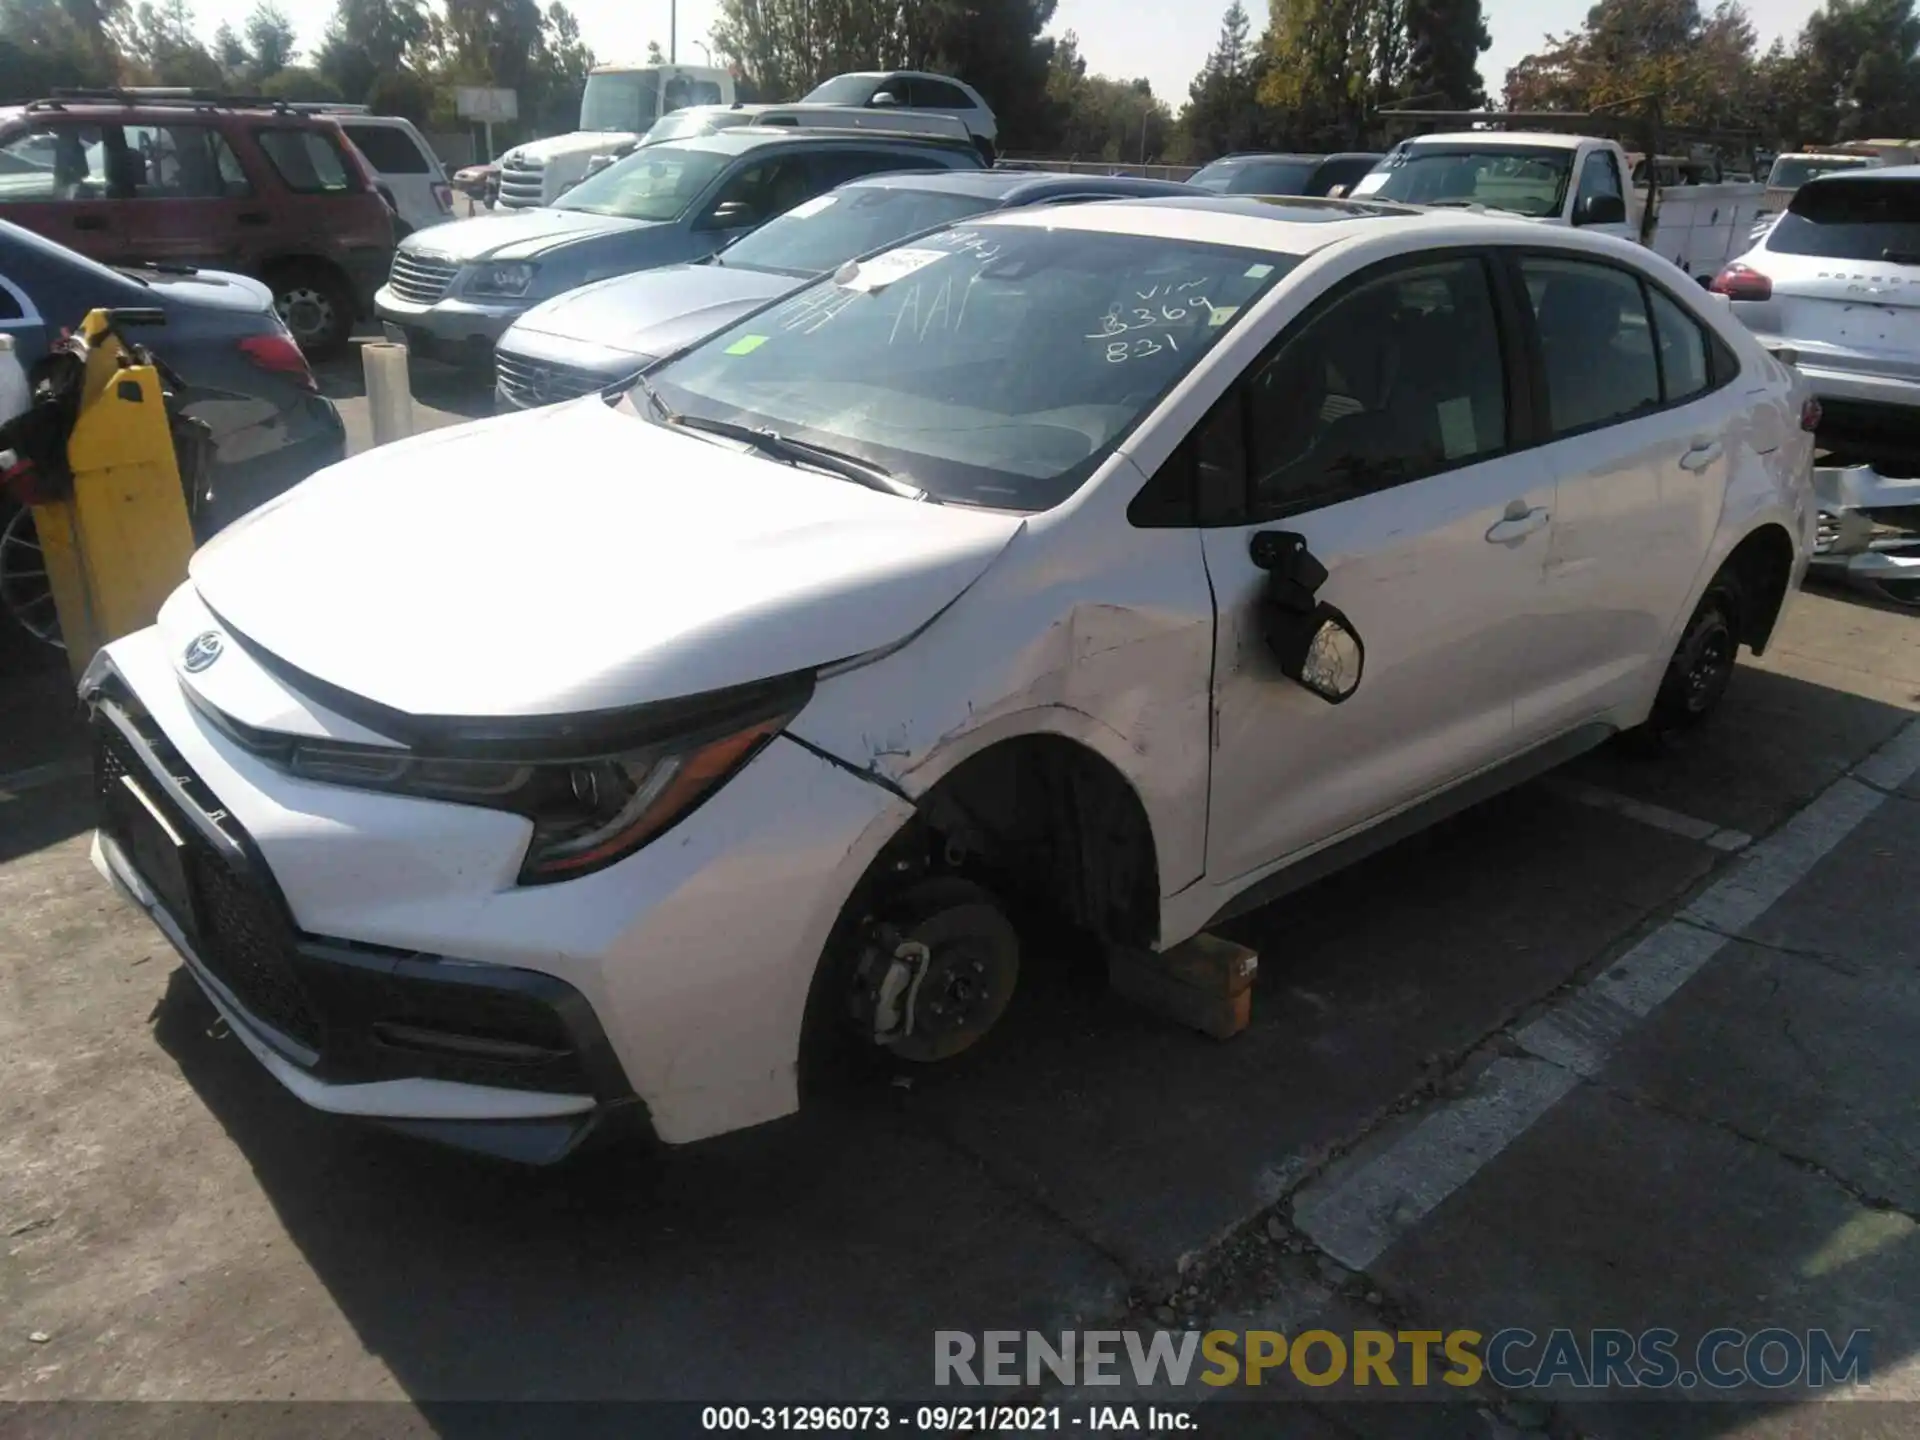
(527, 382)
(1825, 532)
(235, 924)
(420, 279)
(523, 184)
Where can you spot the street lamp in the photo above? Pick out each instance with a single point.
(706, 52)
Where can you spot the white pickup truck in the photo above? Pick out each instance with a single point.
(1568, 180)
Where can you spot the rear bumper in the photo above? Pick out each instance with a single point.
(1869, 526)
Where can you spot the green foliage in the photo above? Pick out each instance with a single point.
(297, 82)
(1100, 118)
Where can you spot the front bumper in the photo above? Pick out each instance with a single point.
(452, 328)
(671, 985)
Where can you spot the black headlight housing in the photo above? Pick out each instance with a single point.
(597, 787)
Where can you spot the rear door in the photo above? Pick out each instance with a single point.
(299, 205)
(1846, 280)
(186, 193)
(1639, 423)
(55, 180)
(412, 175)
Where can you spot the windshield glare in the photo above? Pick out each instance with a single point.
(1851, 220)
(842, 90)
(1525, 180)
(620, 100)
(1240, 177)
(820, 233)
(656, 182)
(991, 365)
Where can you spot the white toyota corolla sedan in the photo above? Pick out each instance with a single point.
(1133, 560)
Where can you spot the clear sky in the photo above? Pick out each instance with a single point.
(1166, 41)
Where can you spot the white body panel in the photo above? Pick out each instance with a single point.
(686, 566)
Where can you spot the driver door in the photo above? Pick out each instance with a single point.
(1377, 428)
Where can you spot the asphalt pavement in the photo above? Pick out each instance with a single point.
(1633, 1046)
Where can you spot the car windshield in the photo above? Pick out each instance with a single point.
(682, 123)
(620, 100)
(1255, 177)
(1523, 179)
(993, 365)
(820, 233)
(1790, 171)
(1852, 220)
(842, 90)
(656, 182)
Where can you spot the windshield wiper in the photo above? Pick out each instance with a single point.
(805, 452)
(668, 415)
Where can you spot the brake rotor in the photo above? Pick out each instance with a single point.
(939, 972)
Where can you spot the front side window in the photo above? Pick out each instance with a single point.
(829, 229)
(64, 162)
(1599, 176)
(992, 365)
(1596, 344)
(758, 191)
(656, 182)
(1524, 179)
(1792, 171)
(1398, 378)
(842, 90)
(1852, 219)
(307, 162)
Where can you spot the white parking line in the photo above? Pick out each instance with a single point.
(1355, 1214)
(13, 784)
(1658, 816)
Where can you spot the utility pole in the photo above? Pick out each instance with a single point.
(673, 32)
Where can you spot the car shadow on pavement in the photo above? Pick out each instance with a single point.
(1081, 1151)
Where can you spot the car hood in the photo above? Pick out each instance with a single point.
(578, 142)
(653, 312)
(517, 234)
(578, 558)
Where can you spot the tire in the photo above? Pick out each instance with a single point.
(316, 304)
(25, 592)
(1699, 670)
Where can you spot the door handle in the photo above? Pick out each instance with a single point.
(1518, 523)
(1702, 455)
(89, 222)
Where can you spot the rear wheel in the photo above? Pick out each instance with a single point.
(25, 592)
(316, 304)
(1700, 669)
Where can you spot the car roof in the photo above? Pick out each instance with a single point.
(1289, 225)
(1544, 139)
(1017, 185)
(1868, 174)
(741, 139)
(1249, 156)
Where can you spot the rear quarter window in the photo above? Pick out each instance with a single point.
(1850, 219)
(389, 150)
(307, 161)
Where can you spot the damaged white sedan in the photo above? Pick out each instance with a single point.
(1134, 560)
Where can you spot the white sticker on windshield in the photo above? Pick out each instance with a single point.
(813, 206)
(882, 270)
(1259, 272)
(1456, 427)
(1369, 183)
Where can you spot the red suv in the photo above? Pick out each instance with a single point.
(133, 178)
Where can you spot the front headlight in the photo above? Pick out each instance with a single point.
(508, 280)
(587, 813)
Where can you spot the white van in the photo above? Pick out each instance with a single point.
(401, 160)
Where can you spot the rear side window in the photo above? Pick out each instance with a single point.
(64, 162)
(178, 162)
(836, 167)
(1596, 344)
(1685, 367)
(389, 150)
(1398, 378)
(308, 162)
(1852, 219)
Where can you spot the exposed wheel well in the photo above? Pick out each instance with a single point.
(1762, 564)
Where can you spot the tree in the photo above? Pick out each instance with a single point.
(1329, 62)
(231, 51)
(298, 83)
(1445, 39)
(1223, 111)
(160, 42)
(1857, 70)
(46, 44)
(367, 39)
(655, 55)
(1102, 118)
(404, 92)
(269, 40)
